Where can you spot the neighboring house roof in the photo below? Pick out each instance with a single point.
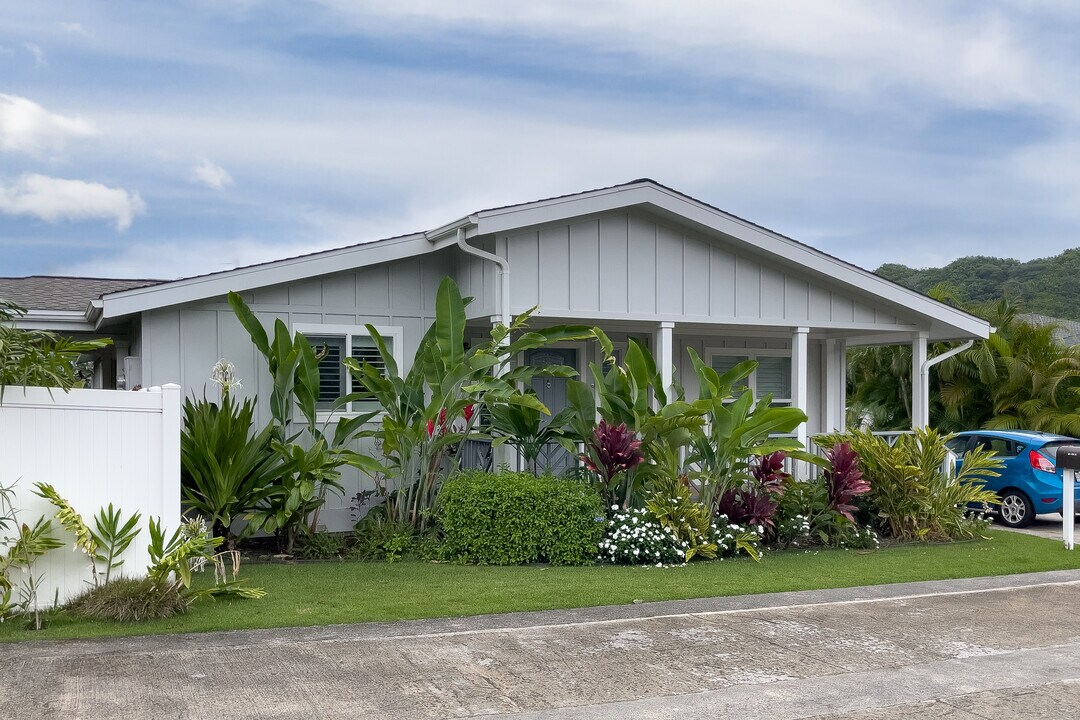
(55, 292)
(646, 194)
(1067, 332)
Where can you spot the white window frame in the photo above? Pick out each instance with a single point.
(395, 333)
(752, 354)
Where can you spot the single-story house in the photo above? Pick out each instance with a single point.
(639, 260)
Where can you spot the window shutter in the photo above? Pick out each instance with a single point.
(723, 363)
(331, 371)
(364, 350)
(774, 377)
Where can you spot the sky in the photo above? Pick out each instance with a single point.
(166, 139)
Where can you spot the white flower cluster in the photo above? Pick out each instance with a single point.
(727, 534)
(794, 531)
(224, 374)
(634, 537)
(864, 538)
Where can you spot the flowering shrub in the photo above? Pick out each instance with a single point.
(861, 538)
(794, 531)
(673, 508)
(636, 537)
(732, 538)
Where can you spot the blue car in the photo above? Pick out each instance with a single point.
(1030, 482)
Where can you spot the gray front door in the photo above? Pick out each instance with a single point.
(552, 392)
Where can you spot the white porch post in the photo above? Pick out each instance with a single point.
(505, 454)
(835, 385)
(799, 376)
(665, 355)
(920, 391)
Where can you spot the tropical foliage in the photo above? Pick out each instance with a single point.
(1020, 377)
(225, 470)
(427, 412)
(912, 494)
(37, 357)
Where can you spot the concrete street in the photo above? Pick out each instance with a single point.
(982, 648)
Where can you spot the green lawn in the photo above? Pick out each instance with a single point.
(325, 593)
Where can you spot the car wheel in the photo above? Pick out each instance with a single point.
(1016, 509)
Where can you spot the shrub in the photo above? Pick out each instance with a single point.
(636, 537)
(320, 546)
(126, 599)
(690, 521)
(379, 538)
(911, 495)
(732, 538)
(510, 518)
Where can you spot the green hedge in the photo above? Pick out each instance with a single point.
(511, 518)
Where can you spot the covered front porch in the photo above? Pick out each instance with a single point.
(802, 366)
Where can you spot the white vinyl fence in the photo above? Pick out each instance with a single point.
(94, 447)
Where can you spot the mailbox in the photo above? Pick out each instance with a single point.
(1068, 457)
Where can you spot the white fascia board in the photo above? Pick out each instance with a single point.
(258, 276)
(684, 209)
(55, 320)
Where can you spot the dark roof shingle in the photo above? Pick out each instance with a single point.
(51, 292)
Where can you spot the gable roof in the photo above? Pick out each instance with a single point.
(644, 193)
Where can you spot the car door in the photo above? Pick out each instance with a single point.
(1009, 452)
(959, 445)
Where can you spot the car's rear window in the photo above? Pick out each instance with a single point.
(1050, 449)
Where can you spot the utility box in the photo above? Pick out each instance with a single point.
(1068, 457)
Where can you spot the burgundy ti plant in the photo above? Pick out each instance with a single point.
(769, 472)
(747, 506)
(611, 451)
(844, 480)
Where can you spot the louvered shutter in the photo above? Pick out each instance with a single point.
(331, 371)
(723, 363)
(774, 378)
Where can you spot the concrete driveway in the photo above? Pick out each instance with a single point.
(1047, 526)
(995, 647)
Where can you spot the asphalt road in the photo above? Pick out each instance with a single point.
(983, 648)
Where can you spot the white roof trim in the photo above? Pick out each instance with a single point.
(257, 276)
(947, 322)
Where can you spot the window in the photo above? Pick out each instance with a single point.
(337, 342)
(1001, 446)
(772, 376)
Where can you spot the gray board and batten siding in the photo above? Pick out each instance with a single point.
(181, 344)
(634, 266)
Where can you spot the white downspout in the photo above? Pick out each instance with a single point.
(504, 274)
(924, 372)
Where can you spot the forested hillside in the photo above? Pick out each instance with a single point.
(1049, 286)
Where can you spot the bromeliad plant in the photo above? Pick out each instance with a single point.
(425, 413)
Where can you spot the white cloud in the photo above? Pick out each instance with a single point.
(27, 127)
(39, 54)
(54, 199)
(211, 175)
(74, 28)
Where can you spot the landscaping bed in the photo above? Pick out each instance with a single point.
(350, 592)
